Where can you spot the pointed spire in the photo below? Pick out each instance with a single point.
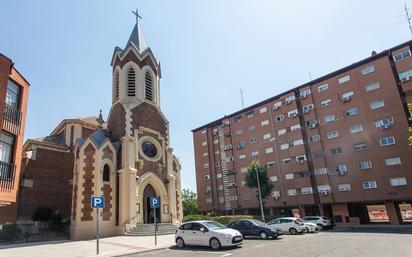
(136, 38)
(100, 119)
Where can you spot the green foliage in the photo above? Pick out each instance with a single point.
(189, 200)
(251, 178)
(221, 219)
(9, 233)
(42, 214)
(56, 221)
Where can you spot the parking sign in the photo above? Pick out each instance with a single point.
(98, 202)
(155, 202)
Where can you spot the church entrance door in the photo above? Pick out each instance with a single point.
(148, 213)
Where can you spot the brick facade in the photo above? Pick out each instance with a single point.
(88, 184)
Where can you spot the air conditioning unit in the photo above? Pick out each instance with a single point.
(405, 79)
(276, 107)
(341, 173)
(292, 144)
(304, 96)
(293, 114)
(312, 125)
(346, 99)
(287, 101)
(325, 193)
(301, 161)
(305, 110)
(276, 197)
(385, 126)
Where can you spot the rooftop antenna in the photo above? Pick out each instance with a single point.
(408, 18)
(241, 97)
(310, 75)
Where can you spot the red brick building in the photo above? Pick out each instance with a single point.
(335, 146)
(14, 93)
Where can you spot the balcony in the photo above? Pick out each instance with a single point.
(7, 176)
(12, 119)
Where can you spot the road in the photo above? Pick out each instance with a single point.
(336, 244)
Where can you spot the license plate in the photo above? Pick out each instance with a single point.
(238, 238)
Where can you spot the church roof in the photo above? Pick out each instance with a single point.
(137, 39)
(99, 137)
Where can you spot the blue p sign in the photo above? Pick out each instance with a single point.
(98, 202)
(154, 202)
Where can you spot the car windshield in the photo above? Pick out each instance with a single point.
(211, 225)
(257, 222)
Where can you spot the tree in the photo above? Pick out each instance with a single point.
(189, 200)
(410, 124)
(251, 178)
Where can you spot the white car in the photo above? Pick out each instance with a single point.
(289, 225)
(322, 222)
(311, 227)
(207, 233)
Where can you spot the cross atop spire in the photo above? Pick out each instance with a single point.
(100, 119)
(136, 13)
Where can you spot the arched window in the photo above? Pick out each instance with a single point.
(116, 84)
(148, 86)
(106, 173)
(131, 82)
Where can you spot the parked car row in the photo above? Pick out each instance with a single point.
(215, 235)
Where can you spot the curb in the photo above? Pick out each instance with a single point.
(138, 252)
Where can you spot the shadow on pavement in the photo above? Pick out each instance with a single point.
(380, 229)
(202, 248)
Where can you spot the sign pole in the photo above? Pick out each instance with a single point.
(155, 226)
(97, 231)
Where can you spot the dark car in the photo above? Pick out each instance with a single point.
(254, 228)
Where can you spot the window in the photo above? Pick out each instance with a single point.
(206, 165)
(269, 150)
(292, 192)
(264, 123)
(277, 105)
(352, 111)
(275, 194)
(322, 87)
(252, 127)
(321, 171)
(255, 153)
(216, 141)
(372, 86)
(266, 136)
(249, 114)
(243, 170)
(148, 90)
(205, 154)
(326, 102)
(280, 118)
(253, 140)
(241, 157)
(314, 138)
(344, 79)
(401, 55)
(297, 142)
(6, 153)
(396, 182)
(336, 151)
(311, 123)
(131, 82)
(317, 154)
(356, 128)
(273, 178)
(332, 134)
(341, 169)
(346, 97)
(263, 110)
(359, 147)
(270, 164)
(204, 143)
(387, 141)
(219, 175)
(208, 200)
(324, 189)
(281, 132)
(217, 152)
(286, 161)
(306, 190)
(239, 132)
(405, 76)
(289, 99)
(368, 69)
(308, 107)
(344, 187)
(241, 145)
(377, 104)
(289, 176)
(116, 84)
(365, 165)
(284, 146)
(295, 127)
(203, 132)
(304, 93)
(207, 177)
(393, 161)
(301, 158)
(218, 164)
(293, 113)
(329, 118)
(247, 196)
(384, 123)
(13, 95)
(237, 118)
(244, 183)
(370, 184)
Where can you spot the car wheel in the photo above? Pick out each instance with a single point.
(263, 235)
(293, 231)
(307, 230)
(215, 243)
(180, 243)
(274, 237)
(321, 227)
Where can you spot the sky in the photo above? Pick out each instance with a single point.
(208, 50)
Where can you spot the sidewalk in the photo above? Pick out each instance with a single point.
(110, 246)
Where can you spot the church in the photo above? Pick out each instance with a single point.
(127, 159)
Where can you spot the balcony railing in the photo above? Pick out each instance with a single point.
(12, 114)
(7, 175)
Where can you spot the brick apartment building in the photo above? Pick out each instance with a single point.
(14, 92)
(335, 146)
